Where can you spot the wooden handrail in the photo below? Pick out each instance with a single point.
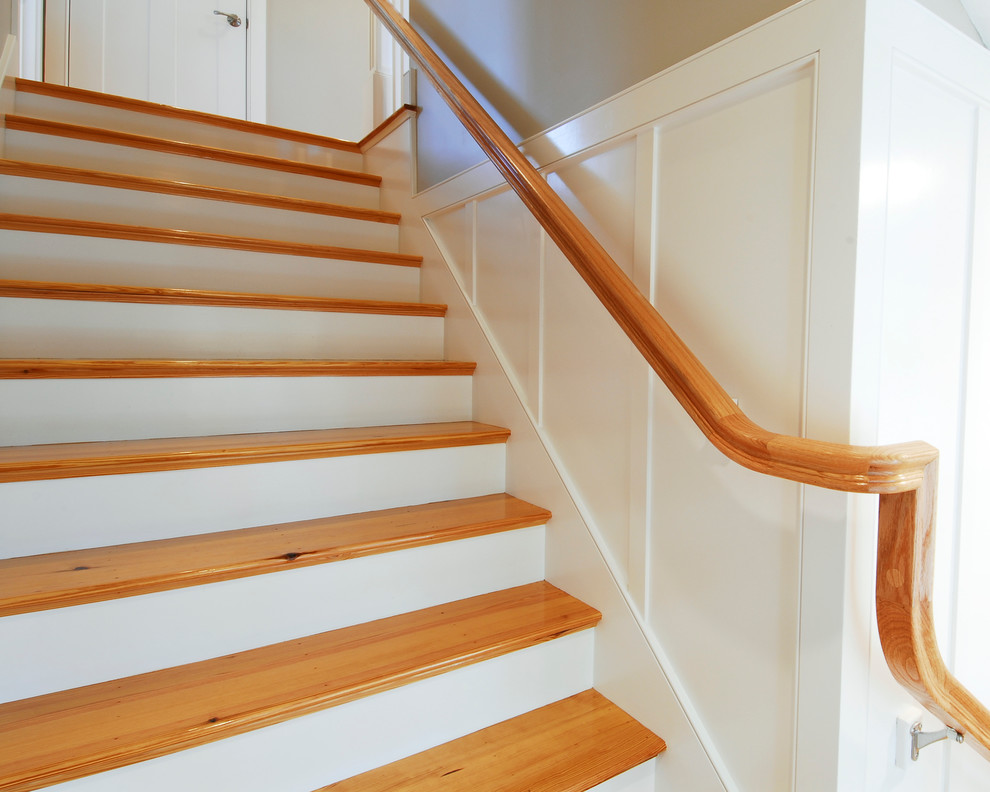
(904, 475)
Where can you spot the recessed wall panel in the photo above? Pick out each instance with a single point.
(508, 286)
(731, 277)
(590, 403)
(453, 231)
(601, 190)
(587, 403)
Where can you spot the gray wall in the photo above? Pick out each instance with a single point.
(953, 12)
(537, 62)
(8, 9)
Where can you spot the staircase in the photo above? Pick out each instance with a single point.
(253, 538)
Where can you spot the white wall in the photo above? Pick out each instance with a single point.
(709, 552)
(700, 184)
(925, 264)
(30, 19)
(319, 67)
(734, 190)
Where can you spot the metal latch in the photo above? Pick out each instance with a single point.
(232, 19)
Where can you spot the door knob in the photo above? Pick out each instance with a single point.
(232, 19)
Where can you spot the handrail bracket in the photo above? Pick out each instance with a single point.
(921, 739)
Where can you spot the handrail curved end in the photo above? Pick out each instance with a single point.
(864, 469)
(905, 619)
(900, 467)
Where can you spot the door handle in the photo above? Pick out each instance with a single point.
(232, 19)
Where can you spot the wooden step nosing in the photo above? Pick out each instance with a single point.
(93, 292)
(30, 170)
(388, 126)
(53, 225)
(573, 745)
(123, 457)
(540, 613)
(292, 546)
(53, 368)
(111, 137)
(140, 106)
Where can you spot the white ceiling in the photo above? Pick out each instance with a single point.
(979, 12)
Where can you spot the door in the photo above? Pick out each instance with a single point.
(175, 52)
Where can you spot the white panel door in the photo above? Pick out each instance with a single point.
(176, 52)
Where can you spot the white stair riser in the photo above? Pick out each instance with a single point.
(69, 200)
(68, 514)
(70, 411)
(306, 753)
(108, 640)
(137, 123)
(103, 641)
(89, 329)
(78, 259)
(641, 778)
(57, 150)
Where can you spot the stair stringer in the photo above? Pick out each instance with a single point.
(630, 667)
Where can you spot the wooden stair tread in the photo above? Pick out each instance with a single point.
(112, 137)
(33, 170)
(69, 734)
(569, 746)
(59, 225)
(100, 292)
(70, 460)
(56, 580)
(54, 368)
(153, 108)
